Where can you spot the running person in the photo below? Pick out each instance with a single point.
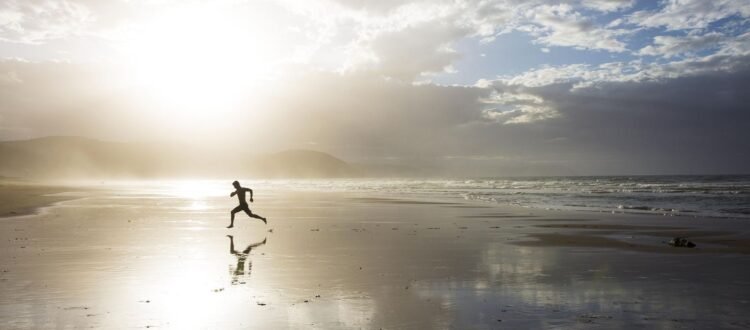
(240, 192)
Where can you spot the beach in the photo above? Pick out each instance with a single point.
(130, 257)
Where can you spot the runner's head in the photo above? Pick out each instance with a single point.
(236, 184)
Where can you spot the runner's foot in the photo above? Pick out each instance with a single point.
(230, 226)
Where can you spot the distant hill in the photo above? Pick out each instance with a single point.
(303, 163)
(77, 157)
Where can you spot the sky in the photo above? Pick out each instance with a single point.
(468, 87)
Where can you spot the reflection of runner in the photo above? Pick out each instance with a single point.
(240, 192)
(239, 271)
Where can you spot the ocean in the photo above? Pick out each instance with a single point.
(708, 196)
(682, 195)
(721, 196)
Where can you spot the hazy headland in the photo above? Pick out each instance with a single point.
(71, 158)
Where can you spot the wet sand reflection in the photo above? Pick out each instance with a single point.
(335, 264)
(238, 272)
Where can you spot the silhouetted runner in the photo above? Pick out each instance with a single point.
(240, 192)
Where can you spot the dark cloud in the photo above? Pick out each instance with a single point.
(695, 124)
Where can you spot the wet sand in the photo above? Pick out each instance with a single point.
(355, 260)
(24, 198)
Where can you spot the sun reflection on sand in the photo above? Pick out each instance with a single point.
(197, 193)
(181, 301)
(196, 189)
(190, 288)
(197, 205)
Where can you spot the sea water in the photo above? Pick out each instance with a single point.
(706, 196)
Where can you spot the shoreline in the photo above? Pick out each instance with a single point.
(617, 211)
(634, 232)
(371, 188)
(29, 198)
(549, 227)
(611, 230)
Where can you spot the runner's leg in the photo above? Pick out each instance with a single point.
(253, 215)
(235, 210)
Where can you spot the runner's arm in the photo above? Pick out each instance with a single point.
(251, 194)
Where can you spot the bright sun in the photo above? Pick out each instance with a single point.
(199, 61)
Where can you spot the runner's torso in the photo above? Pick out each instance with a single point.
(241, 196)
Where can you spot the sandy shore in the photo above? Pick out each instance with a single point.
(354, 260)
(24, 198)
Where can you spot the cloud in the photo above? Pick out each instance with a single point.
(522, 114)
(404, 39)
(381, 7)
(675, 106)
(669, 46)
(400, 39)
(608, 5)
(731, 56)
(561, 25)
(737, 46)
(37, 21)
(408, 39)
(688, 124)
(419, 49)
(510, 104)
(691, 14)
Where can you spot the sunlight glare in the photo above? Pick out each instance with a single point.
(197, 190)
(199, 61)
